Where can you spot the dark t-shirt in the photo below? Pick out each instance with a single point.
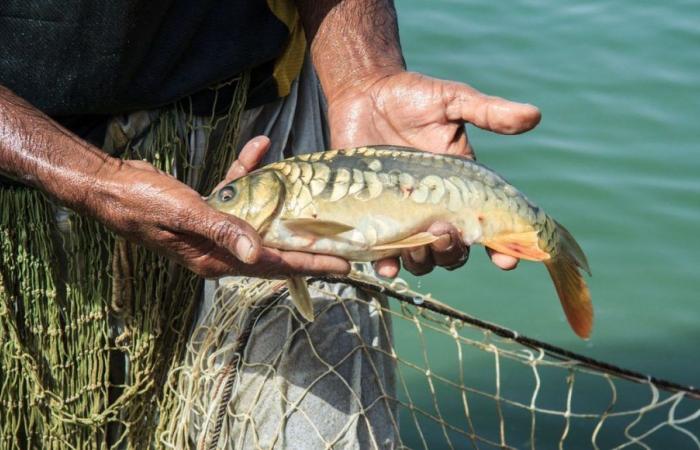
(88, 57)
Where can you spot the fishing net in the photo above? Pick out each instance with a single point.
(89, 323)
(460, 382)
(102, 346)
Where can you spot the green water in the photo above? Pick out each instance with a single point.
(615, 159)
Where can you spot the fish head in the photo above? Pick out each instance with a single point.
(256, 198)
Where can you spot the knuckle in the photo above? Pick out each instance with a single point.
(180, 219)
(222, 231)
(315, 265)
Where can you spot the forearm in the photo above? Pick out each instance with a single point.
(352, 41)
(37, 151)
(138, 202)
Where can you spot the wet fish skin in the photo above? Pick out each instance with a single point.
(368, 203)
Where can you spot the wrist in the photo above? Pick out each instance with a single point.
(81, 180)
(66, 168)
(352, 43)
(359, 81)
(38, 152)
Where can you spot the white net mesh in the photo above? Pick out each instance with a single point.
(450, 381)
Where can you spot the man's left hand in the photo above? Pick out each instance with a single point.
(410, 109)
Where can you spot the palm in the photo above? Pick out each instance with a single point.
(404, 109)
(410, 109)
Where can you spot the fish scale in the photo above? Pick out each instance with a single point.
(380, 161)
(479, 188)
(368, 203)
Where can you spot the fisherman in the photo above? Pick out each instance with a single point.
(89, 88)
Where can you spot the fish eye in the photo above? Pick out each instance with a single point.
(227, 193)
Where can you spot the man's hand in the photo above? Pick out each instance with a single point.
(156, 210)
(373, 100)
(429, 114)
(413, 110)
(137, 201)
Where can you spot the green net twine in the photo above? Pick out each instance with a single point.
(89, 323)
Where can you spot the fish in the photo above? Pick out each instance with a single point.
(369, 203)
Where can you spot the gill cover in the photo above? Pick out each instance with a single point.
(255, 198)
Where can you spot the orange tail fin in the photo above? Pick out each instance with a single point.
(573, 292)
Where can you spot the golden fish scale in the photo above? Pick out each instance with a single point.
(398, 182)
(366, 172)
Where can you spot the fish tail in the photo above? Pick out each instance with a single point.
(567, 258)
(299, 293)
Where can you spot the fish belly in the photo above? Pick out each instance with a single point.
(385, 220)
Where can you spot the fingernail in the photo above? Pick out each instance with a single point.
(444, 243)
(383, 270)
(344, 269)
(244, 249)
(418, 255)
(257, 141)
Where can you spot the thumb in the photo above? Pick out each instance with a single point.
(232, 234)
(487, 112)
(248, 159)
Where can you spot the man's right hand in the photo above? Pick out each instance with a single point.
(141, 203)
(154, 209)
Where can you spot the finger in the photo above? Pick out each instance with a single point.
(505, 262)
(449, 251)
(219, 263)
(272, 263)
(224, 230)
(387, 267)
(249, 157)
(283, 263)
(487, 112)
(418, 261)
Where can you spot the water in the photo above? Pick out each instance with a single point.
(615, 159)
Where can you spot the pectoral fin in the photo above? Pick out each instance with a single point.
(316, 226)
(416, 240)
(520, 245)
(299, 293)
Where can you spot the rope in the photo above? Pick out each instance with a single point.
(377, 287)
